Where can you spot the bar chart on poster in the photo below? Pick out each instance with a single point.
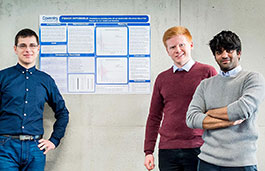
(96, 54)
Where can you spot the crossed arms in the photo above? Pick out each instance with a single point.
(235, 112)
(218, 118)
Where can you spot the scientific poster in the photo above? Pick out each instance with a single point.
(96, 54)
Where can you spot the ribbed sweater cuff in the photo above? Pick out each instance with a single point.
(200, 121)
(232, 111)
(148, 152)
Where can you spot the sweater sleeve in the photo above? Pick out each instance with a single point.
(252, 96)
(154, 119)
(196, 111)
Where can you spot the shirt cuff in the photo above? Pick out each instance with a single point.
(55, 141)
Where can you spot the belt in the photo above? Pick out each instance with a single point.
(24, 137)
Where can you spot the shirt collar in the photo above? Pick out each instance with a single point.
(185, 67)
(23, 69)
(231, 73)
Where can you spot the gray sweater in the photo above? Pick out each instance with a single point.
(233, 146)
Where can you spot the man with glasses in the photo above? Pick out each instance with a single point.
(23, 92)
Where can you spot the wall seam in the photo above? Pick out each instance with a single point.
(179, 12)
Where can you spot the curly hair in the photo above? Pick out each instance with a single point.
(225, 40)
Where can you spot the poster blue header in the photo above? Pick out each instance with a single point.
(104, 19)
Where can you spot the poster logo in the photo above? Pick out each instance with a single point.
(50, 19)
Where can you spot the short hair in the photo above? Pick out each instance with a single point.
(26, 33)
(174, 31)
(225, 40)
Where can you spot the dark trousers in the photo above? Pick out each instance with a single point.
(178, 159)
(204, 166)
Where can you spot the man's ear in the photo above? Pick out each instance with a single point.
(15, 49)
(238, 55)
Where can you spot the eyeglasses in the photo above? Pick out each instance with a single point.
(24, 46)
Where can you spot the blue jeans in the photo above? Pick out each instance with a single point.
(202, 166)
(16, 155)
(178, 159)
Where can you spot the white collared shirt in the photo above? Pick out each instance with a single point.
(185, 67)
(231, 73)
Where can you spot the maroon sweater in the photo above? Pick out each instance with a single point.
(171, 97)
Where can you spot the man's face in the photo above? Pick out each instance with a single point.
(179, 49)
(227, 59)
(27, 50)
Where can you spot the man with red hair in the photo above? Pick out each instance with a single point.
(173, 91)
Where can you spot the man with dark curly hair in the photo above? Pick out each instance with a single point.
(226, 107)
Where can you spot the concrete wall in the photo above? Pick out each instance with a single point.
(106, 132)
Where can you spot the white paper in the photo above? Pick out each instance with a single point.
(139, 68)
(139, 37)
(46, 49)
(112, 89)
(111, 41)
(97, 53)
(81, 82)
(139, 88)
(53, 34)
(57, 68)
(81, 39)
(81, 65)
(112, 70)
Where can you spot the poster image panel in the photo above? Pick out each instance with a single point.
(112, 70)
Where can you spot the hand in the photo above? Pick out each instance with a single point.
(237, 122)
(149, 162)
(46, 144)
